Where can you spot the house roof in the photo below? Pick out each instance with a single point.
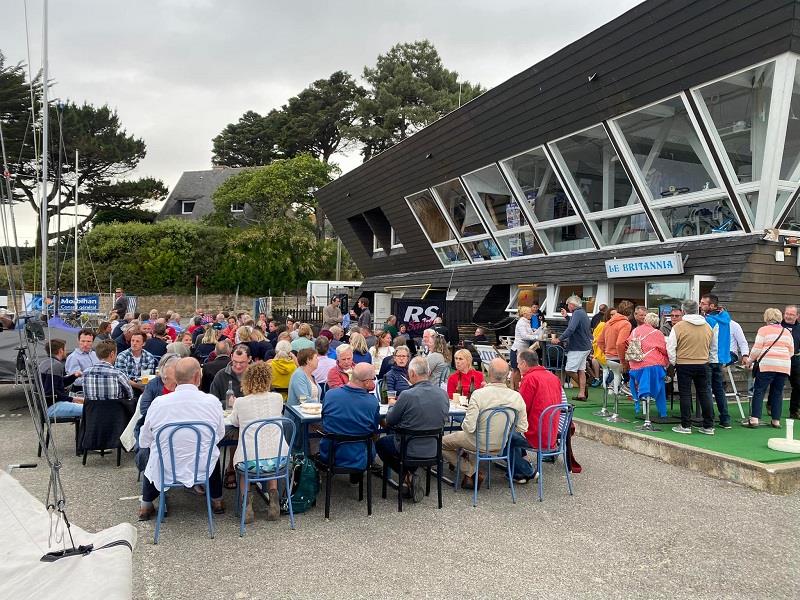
(199, 187)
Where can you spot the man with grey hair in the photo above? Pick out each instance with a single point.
(423, 406)
(339, 375)
(161, 385)
(186, 403)
(688, 347)
(495, 395)
(577, 340)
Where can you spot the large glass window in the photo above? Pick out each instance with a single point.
(460, 209)
(538, 185)
(430, 217)
(451, 255)
(698, 218)
(483, 250)
(518, 244)
(627, 229)
(597, 176)
(563, 238)
(739, 109)
(498, 204)
(667, 149)
(666, 293)
(791, 221)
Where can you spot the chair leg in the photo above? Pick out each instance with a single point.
(78, 437)
(119, 456)
(288, 481)
(139, 476)
(457, 480)
(427, 481)
(328, 495)
(85, 452)
(242, 494)
(541, 475)
(369, 490)
(510, 468)
(162, 502)
(385, 478)
(102, 452)
(208, 508)
(475, 481)
(566, 470)
(439, 470)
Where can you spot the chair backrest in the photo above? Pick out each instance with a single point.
(377, 390)
(102, 424)
(554, 357)
(487, 353)
(504, 417)
(274, 426)
(339, 439)
(192, 428)
(563, 412)
(409, 435)
(443, 377)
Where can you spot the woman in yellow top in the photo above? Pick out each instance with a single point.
(283, 365)
(598, 356)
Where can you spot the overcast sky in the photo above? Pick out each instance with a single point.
(178, 71)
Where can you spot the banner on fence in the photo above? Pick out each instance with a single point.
(87, 303)
(417, 314)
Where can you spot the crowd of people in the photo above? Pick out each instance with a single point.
(249, 368)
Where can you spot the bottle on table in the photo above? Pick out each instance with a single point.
(230, 396)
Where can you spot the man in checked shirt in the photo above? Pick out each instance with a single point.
(103, 381)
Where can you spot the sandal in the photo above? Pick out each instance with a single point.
(776, 424)
(230, 480)
(749, 423)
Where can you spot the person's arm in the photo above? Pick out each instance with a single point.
(522, 416)
(470, 421)
(622, 343)
(218, 388)
(740, 342)
(125, 384)
(714, 346)
(452, 383)
(572, 325)
(672, 347)
(601, 339)
(146, 434)
(234, 416)
(395, 414)
(523, 330)
(758, 348)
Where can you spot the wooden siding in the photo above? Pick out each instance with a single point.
(653, 51)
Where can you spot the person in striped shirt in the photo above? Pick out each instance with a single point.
(772, 352)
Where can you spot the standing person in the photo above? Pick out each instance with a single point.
(790, 322)
(365, 317)
(421, 407)
(688, 348)
(772, 353)
(332, 314)
(675, 315)
(121, 302)
(740, 349)
(537, 317)
(612, 340)
(577, 339)
(523, 338)
(648, 370)
(82, 357)
(720, 322)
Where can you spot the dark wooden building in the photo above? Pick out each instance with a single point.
(645, 161)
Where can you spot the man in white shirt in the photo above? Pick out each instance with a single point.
(82, 357)
(739, 348)
(186, 403)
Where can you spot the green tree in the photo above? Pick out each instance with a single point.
(124, 215)
(409, 88)
(253, 141)
(318, 116)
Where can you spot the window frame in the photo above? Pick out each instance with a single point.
(183, 206)
(237, 210)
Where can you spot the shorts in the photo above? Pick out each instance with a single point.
(576, 360)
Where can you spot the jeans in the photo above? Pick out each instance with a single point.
(716, 386)
(775, 382)
(150, 493)
(697, 375)
(64, 410)
(794, 380)
(522, 468)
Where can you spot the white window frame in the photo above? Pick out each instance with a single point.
(183, 206)
(237, 210)
(513, 293)
(376, 245)
(437, 245)
(395, 243)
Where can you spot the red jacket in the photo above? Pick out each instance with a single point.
(471, 376)
(540, 389)
(337, 378)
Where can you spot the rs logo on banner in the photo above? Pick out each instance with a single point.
(417, 314)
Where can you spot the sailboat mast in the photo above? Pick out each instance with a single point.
(75, 239)
(43, 225)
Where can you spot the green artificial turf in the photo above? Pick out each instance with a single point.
(739, 441)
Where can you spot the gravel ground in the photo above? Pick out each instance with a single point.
(635, 528)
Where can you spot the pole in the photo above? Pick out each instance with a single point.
(43, 228)
(75, 239)
(338, 259)
(236, 299)
(196, 292)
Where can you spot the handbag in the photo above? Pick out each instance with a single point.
(756, 362)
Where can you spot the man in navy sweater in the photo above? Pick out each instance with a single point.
(577, 339)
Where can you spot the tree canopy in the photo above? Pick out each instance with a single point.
(107, 153)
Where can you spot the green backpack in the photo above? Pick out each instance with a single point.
(305, 486)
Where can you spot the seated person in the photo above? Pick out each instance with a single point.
(135, 360)
(480, 336)
(158, 386)
(360, 349)
(212, 367)
(539, 389)
(260, 347)
(325, 363)
(259, 403)
(351, 410)
(301, 383)
(397, 380)
(157, 344)
(206, 344)
(104, 381)
(81, 358)
(338, 375)
(465, 380)
(283, 366)
(186, 403)
(422, 406)
(494, 395)
(55, 380)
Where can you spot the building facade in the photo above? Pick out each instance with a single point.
(646, 161)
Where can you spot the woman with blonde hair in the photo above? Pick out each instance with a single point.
(438, 357)
(466, 379)
(258, 403)
(524, 336)
(383, 349)
(304, 338)
(771, 361)
(207, 345)
(360, 350)
(283, 365)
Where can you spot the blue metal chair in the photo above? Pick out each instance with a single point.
(483, 454)
(197, 429)
(558, 447)
(555, 360)
(253, 469)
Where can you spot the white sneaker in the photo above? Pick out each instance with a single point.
(706, 430)
(679, 429)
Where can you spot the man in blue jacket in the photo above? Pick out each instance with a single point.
(351, 409)
(577, 339)
(720, 322)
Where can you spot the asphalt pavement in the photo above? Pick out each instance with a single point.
(635, 528)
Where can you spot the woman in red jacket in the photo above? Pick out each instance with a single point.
(466, 379)
(647, 374)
